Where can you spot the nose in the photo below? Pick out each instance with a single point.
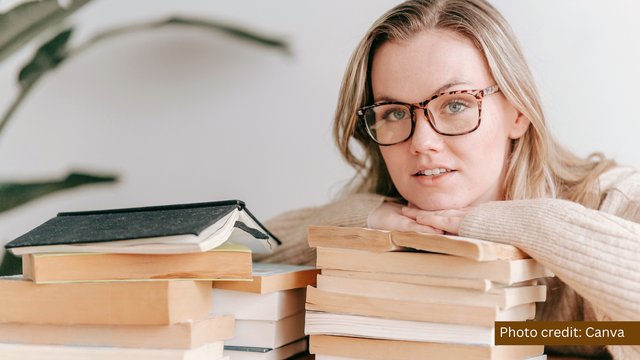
(425, 139)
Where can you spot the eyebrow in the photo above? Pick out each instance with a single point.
(440, 90)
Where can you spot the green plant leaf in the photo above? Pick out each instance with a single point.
(16, 194)
(46, 58)
(10, 264)
(22, 23)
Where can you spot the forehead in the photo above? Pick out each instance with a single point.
(414, 70)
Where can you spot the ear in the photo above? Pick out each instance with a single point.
(519, 126)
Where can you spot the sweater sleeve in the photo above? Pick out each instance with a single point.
(292, 227)
(595, 252)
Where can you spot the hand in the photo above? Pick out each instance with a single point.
(447, 220)
(389, 216)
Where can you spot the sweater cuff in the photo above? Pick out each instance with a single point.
(486, 222)
(519, 222)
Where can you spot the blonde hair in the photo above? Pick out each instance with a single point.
(538, 166)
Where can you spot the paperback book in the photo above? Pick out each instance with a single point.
(415, 350)
(382, 241)
(327, 301)
(268, 278)
(228, 261)
(168, 229)
(106, 303)
(209, 351)
(188, 334)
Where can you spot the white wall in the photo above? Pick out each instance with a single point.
(586, 56)
(187, 116)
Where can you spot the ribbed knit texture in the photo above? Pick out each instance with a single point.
(594, 253)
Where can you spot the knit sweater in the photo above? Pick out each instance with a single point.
(595, 254)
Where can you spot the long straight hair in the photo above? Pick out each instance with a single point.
(538, 165)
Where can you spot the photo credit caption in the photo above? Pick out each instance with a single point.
(567, 333)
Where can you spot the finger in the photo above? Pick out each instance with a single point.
(450, 213)
(424, 229)
(414, 212)
(408, 224)
(409, 212)
(450, 224)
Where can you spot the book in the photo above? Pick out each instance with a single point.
(253, 353)
(503, 298)
(209, 351)
(334, 357)
(167, 229)
(475, 284)
(188, 334)
(227, 261)
(268, 334)
(419, 263)
(351, 238)
(271, 306)
(382, 241)
(273, 277)
(106, 303)
(327, 301)
(415, 350)
(322, 323)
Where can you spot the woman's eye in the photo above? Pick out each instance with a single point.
(398, 115)
(454, 107)
(394, 114)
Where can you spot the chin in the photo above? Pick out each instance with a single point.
(438, 202)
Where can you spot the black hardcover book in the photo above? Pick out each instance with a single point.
(148, 230)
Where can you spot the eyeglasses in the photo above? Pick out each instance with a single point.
(450, 113)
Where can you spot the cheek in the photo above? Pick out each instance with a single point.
(486, 150)
(395, 158)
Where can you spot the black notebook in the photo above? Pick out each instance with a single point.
(149, 230)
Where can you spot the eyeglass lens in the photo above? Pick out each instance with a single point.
(450, 114)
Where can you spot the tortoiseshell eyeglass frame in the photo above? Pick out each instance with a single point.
(478, 94)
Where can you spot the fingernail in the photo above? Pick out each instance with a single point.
(419, 218)
(404, 208)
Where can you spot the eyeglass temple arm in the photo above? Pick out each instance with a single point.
(490, 90)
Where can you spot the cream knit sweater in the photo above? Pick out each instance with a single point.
(595, 254)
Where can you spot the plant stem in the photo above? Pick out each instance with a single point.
(14, 105)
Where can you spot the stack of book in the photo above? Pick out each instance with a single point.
(406, 295)
(269, 311)
(126, 283)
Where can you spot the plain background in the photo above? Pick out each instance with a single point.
(186, 115)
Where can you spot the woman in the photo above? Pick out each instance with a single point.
(440, 97)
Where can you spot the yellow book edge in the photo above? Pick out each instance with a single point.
(227, 246)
